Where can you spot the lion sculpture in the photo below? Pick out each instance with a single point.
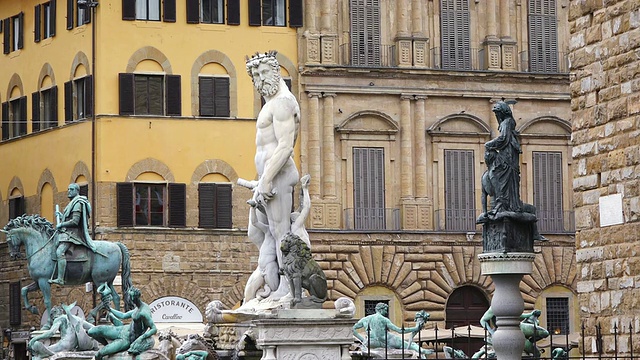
(303, 273)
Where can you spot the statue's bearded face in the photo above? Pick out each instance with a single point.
(265, 79)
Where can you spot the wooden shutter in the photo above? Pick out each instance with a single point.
(15, 310)
(547, 190)
(455, 34)
(88, 96)
(205, 92)
(5, 120)
(206, 205)
(193, 11)
(224, 206)
(84, 190)
(174, 95)
(125, 203)
(221, 96)
(36, 25)
(52, 21)
(22, 122)
(68, 101)
(368, 188)
(543, 36)
(365, 32)
(70, 12)
(128, 9)
(35, 112)
(126, 93)
(177, 205)
(20, 30)
(215, 205)
(169, 10)
(296, 13)
(233, 12)
(7, 35)
(255, 13)
(459, 193)
(16, 207)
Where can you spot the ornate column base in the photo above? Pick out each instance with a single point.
(506, 271)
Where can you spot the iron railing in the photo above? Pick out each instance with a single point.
(372, 219)
(384, 56)
(546, 62)
(556, 222)
(618, 344)
(456, 220)
(458, 59)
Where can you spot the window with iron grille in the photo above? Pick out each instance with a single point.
(365, 32)
(547, 190)
(459, 192)
(455, 34)
(543, 36)
(558, 315)
(370, 306)
(15, 314)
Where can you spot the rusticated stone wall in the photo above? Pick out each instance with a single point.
(605, 89)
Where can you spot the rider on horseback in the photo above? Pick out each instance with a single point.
(72, 228)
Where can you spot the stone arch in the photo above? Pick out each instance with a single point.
(46, 177)
(551, 267)
(379, 123)
(150, 164)
(79, 59)
(80, 169)
(234, 295)
(460, 124)
(172, 286)
(13, 82)
(149, 53)
(213, 166)
(13, 184)
(555, 127)
(46, 70)
(218, 57)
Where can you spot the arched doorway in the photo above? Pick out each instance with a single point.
(465, 306)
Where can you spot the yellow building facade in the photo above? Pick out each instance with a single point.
(174, 109)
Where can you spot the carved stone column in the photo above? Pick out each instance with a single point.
(403, 37)
(406, 148)
(420, 41)
(328, 148)
(314, 145)
(509, 46)
(421, 148)
(329, 38)
(311, 16)
(402, 8)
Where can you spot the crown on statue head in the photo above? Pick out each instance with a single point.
(259, 56)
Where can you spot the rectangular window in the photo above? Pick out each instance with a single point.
(370, 306)
(13, 33)
(48, 13)
(17, 113)
(212, 11)
(215, 205)
(149, 94)
(543, 36)
(79, 88)
(16, 207)
(149, 204)
(459, 192)
(273, 12)
(49, 115)
(148, 10)
(558, 315)
(83, 15)
(456, 34)
(547, 191)
(214, 96)
(365, 32)
(15, 314)
(368, 189)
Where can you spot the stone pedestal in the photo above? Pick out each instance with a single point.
(506, 271)
(304, 335)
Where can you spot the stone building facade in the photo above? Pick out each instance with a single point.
(605, 100)
(396, 106)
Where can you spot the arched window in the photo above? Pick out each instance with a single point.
(213, 88)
